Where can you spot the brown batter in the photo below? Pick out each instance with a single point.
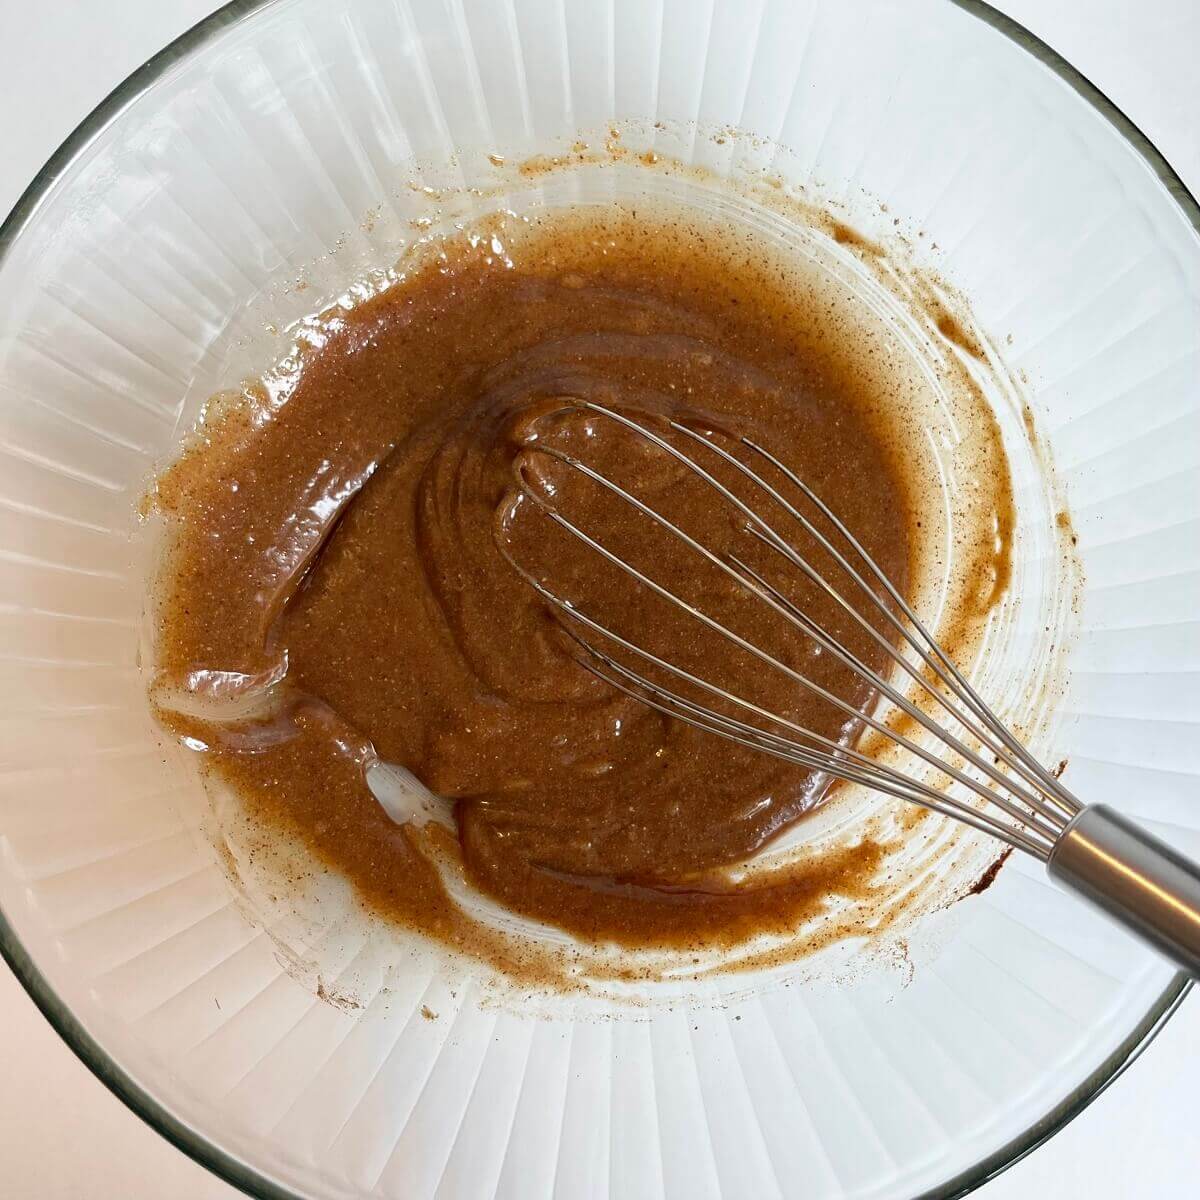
(338, 586)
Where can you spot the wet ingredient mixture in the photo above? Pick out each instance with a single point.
(339, 584)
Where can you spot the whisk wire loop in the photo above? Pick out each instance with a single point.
(1034, 806)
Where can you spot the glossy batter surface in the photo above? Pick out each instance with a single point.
(339, 585)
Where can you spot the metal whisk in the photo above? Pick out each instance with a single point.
(1003, 790)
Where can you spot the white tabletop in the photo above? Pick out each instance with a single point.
(64, 1137)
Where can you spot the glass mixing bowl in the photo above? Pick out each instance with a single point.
(269, 149)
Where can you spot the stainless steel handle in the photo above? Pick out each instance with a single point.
(1143, 883)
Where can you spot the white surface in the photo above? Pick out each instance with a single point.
(1139, 1140)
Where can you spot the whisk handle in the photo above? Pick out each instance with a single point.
(1142, 883)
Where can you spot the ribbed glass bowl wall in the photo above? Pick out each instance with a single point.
(134, 280)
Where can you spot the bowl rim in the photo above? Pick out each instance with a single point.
(89, 1051)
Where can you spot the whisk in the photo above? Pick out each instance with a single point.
(1091, 850)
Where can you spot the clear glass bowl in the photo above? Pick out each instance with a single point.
(134, 278)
